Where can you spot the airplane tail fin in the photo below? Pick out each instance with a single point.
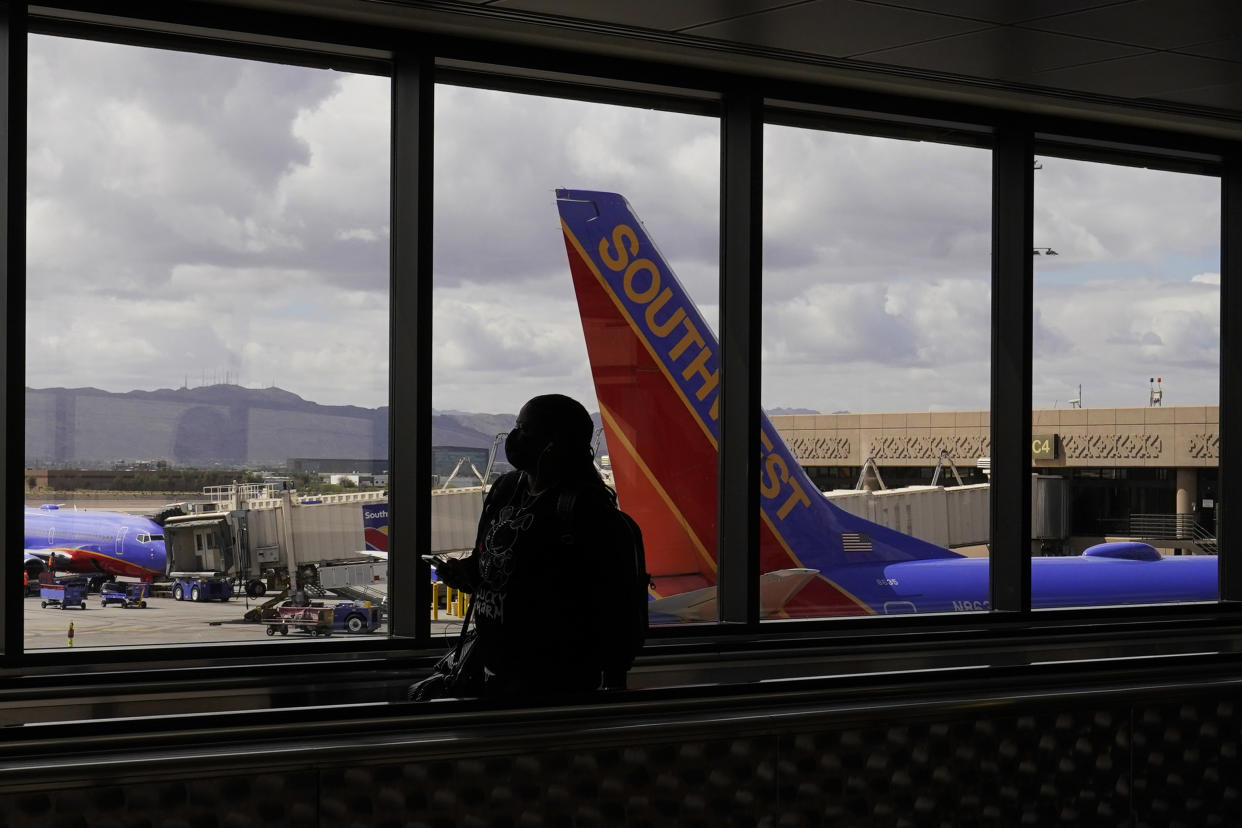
(654, 361)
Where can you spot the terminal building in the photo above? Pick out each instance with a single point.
(1001, 712)
(1127, 471)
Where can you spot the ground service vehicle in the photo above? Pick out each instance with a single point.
(129, 596)
(318, 620)
(198, 587)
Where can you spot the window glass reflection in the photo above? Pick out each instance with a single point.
(207, 320)
(1126, 384)
(543, 291)
(876, 331)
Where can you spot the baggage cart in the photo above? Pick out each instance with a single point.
(63, 593)
(313, 620)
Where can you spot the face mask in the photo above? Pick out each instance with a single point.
(522, 455)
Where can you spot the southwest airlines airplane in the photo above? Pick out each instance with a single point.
(656, 371)
(94, 543)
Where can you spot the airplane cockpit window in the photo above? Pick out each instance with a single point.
(238, 238)
(1126, 392)
(876, 376)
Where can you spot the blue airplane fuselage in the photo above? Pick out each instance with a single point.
(961, 584)
(95, 543)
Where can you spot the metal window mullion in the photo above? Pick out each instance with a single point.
(741, 248)
(1229, 560)
(409, 381)
(1013, 186)
(13, 226)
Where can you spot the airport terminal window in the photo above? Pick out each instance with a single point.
(528, 302)
(876, 325)
(1126, 379)
(235, 241)
(207, 299)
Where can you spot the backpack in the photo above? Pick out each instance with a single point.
(623, 577)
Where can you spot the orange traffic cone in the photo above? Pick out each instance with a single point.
(70, 633)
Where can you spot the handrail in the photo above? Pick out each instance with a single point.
(355, 724)
(1181, 527)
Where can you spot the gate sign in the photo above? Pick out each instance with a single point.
(1044, 447)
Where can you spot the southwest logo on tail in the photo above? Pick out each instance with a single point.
(656, 372)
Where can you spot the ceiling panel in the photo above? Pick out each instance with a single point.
(1153, 75)
(1229, 48)
(996, 11)
(648, 14)
(1188, 53)
(837, 28)
(1003, 53)
(1156, 24)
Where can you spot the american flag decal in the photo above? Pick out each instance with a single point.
(855, 542)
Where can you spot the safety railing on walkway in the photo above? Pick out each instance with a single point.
(359, 592)
(1173, 528)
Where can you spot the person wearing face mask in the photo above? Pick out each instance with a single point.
(533, 556)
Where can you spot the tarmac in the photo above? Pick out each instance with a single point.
(164, 621)
(167, 621)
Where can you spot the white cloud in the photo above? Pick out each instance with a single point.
(1120, 333)
(1091, 212)
(205, 216)
(196, 215)
(1132, 293)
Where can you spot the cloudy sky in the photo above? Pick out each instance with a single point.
(193, 219)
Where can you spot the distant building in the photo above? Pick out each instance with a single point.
(362, 481)
(445, 458)
(1117, 462)
(335, 465)
(127, 480)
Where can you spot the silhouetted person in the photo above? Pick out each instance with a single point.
(539, 575)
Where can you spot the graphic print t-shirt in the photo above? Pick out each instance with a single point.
(532, 599)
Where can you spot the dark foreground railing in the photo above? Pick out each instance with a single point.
(1130, 741)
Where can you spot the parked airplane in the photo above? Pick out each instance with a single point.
(654, 361)
(94, 543)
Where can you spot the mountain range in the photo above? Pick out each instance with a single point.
(226, 425)
(219, 425)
